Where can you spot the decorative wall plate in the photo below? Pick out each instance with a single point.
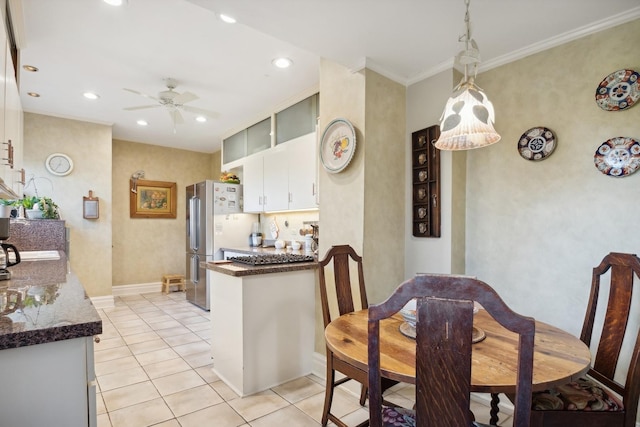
(619, 90)
(537, 143)
(618, 156)
(338, 145)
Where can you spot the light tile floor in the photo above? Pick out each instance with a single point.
(153, 365)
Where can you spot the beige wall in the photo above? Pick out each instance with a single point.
(384, 179)
(89, 146)
(145, 249)
(363, 205)
(425, 102)
(536, 229)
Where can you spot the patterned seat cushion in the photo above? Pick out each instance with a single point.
(400, 417)
(581, 395)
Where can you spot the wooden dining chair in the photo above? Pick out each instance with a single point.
(341, 296)
(444, 331)
(593, 401)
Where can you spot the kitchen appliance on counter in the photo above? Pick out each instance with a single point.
(6, 248)
(214, 220)
(255, 238)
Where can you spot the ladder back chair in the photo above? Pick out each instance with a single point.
(600, 400)
(341, 257)
(444, 329)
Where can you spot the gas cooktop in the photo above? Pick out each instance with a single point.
(269, 259)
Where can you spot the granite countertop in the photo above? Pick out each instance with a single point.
(237, 269)
(44, 302)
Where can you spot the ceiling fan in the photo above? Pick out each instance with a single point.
(173, 102)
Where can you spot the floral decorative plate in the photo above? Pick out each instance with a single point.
(537, 143)
(618, 156)
(619, 90)
(338, 145)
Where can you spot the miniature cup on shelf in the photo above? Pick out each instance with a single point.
(295, 245)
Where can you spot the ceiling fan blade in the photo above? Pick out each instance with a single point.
(210, 114)
(141, 107)
(141, 94)
(183, 98)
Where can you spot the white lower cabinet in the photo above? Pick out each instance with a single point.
(262, 328)
(50, 384)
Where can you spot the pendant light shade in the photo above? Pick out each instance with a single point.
(467, 120)
(468, 117)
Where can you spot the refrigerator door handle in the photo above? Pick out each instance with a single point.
(195, 271)
(194, 222)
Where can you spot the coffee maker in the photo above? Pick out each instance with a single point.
(6, 248)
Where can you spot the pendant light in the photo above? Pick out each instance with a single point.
(467, 119)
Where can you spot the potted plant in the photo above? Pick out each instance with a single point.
(40, 207)
(6, 206)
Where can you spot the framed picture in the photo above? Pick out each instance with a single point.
(152, 199)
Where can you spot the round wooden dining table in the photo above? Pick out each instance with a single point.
(558, 356)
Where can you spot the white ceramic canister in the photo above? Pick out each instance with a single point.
(308, 242)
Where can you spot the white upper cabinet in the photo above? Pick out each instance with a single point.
(276, 180)
(282, 178)
(10, 123)
(303, 168)
(279, 159)
(13, 122)
(252, 184)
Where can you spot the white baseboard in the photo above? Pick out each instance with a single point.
(107, 301)
(102, 302)
(136, 289)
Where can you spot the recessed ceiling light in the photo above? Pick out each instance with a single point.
(228, 19)
(282, 62)
(91, 95)
(114, 2)
(142, 122)
(30, 68)
(201, 119)
(34, 94)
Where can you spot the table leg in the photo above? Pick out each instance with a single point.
(495, 401)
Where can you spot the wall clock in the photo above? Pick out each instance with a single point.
(338, 145)
(59, 164)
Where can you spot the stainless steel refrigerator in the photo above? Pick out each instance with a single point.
(214, 220)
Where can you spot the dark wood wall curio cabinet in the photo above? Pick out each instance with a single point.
(425, 158)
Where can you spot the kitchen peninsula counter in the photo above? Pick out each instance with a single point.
(238, 269)
(44, 303)
(258, 314)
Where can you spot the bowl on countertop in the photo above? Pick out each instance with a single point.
(279, 244)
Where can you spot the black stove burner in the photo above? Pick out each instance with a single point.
(270, 259)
